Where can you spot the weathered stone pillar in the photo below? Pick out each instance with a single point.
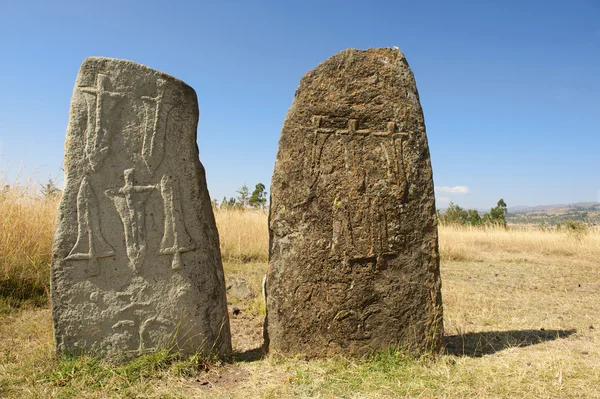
(353, 263)
(136, 264)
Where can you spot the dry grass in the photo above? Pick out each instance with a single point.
(520, 310)
(516, 244)
(26, 231)
(243, 233)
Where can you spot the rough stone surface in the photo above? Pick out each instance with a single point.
(136, 264)
(354, 263)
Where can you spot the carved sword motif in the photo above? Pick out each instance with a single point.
(157, 115)
(90, 244)
(176, 238)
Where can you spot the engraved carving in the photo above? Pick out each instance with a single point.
(157, 117)
(360, 226)
(134, 315)
(395, 160)
(176, 238)
(317, 149)
(367, 242)
(129, 201)
(380, 243)
(145, 328)
(97, 137)
(123, 323)
(398, 168)
(143, 331)
(342, 227)
(90, 244)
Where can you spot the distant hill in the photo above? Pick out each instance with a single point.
(588, 212)
(538, 208)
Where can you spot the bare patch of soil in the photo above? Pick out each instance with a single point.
(222, 377)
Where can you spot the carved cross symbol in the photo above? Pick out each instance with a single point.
(129, 201)
(97, 136)
(352, 129)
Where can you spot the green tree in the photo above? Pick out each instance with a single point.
(243, 196)
(473, 217)
(455, 215)
(258, 199)
(498, 213)
(486, 219)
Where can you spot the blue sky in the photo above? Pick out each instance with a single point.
(510, 89)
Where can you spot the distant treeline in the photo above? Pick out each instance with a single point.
(568, 218)
(258, 199)
(455, 215)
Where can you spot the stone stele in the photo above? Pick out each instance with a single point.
(353, 259)
(136, 262)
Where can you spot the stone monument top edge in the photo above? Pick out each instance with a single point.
(93, 61)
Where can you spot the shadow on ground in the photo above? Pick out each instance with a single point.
(486, 343)
(251, 355)
(471, 344)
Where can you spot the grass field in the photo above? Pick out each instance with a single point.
(521, 313)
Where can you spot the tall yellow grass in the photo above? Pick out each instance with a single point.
(26, 230)
(243, 234)
(497, 243)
